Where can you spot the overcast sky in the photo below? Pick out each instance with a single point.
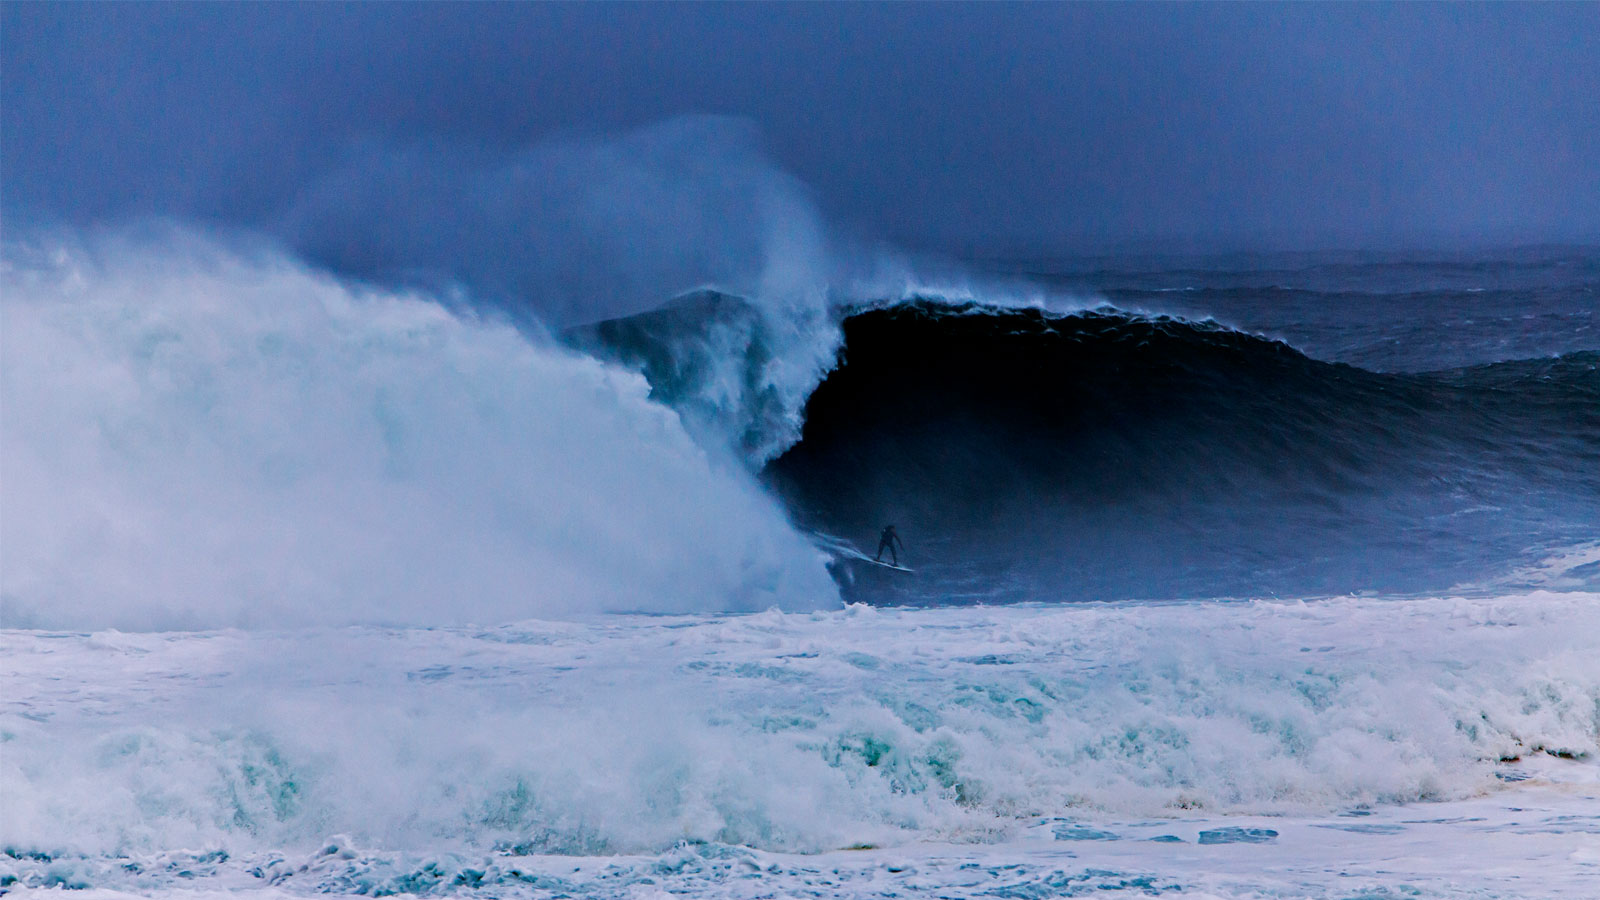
(986, 129)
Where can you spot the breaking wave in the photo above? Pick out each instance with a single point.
(1100, 454)
(198, 436)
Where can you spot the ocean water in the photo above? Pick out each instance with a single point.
(1236, 577)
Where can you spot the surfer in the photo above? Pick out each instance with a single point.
(887, 541)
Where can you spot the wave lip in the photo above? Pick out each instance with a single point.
(738, 372)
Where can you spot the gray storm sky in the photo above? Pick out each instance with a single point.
(959, 128)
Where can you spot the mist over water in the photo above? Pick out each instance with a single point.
(574, 228)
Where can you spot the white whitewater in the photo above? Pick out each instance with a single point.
(203, 437)
(1443, 747)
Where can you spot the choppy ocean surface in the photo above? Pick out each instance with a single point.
(1242, 577)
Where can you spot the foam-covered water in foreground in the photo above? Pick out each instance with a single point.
(1424, 748)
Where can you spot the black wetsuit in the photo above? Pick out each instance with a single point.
(887, 541)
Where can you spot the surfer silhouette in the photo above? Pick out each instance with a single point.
(887, 541)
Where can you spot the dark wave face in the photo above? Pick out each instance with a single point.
(1029, 455)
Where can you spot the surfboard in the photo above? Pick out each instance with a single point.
(839, 547)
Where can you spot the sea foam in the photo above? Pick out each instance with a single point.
(785, 732)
